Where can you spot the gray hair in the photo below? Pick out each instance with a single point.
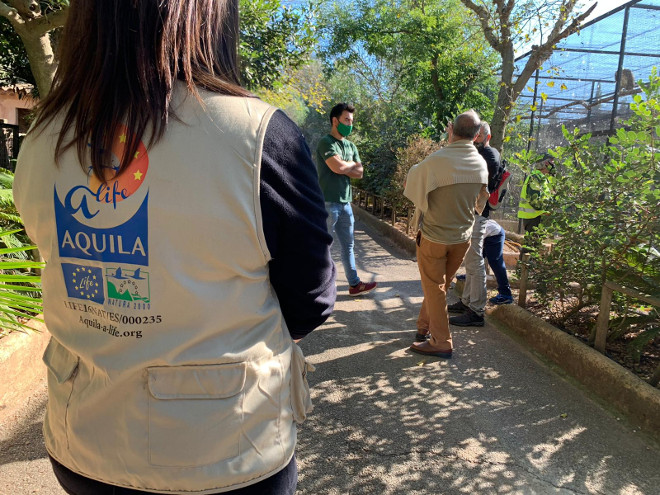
(466, 125)
(485, 129)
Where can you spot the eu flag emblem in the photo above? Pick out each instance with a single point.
(84, 282)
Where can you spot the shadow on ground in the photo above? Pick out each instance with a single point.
(25, 441)
(493, 419)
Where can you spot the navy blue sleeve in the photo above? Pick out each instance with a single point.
(294, 220)
(492, 157)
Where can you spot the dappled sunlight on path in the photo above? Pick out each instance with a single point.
(493, 419)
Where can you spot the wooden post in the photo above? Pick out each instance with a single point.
(524, 275)
(408, 222)
(382, 207)
(393, 215)
(603, 318)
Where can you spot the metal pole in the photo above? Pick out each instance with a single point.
(591, 102)
(622, 54)
(538, 127)
(531, 120)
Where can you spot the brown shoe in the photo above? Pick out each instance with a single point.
(426, 349)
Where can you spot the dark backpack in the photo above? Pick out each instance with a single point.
(500, 180)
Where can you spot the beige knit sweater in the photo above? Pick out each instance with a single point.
(456, 163)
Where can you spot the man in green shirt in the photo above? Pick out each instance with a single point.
(338, 161)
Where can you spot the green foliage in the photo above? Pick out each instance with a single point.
(605, 221)
(642, 339)
(274, 38)
(19, 287)
(301, 92)
(20, 294)
(421, 58)
(379, 127)
(9, 218)
(14, 64)
(408, 67)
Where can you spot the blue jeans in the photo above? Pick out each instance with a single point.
(341, 222)
(494, 253)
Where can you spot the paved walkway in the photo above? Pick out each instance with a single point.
(493, 419)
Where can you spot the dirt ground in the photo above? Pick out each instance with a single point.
(580, 326)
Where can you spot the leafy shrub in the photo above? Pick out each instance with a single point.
(605, 220)
(20, 292)
(19, 286)
(416, 150)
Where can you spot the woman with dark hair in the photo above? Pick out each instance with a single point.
(186, 250)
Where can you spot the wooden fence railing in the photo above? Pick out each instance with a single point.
(383, 207)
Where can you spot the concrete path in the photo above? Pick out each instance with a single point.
(493, 419)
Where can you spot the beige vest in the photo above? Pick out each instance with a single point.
(170, 363)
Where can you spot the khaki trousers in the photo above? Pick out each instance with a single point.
(437, 266)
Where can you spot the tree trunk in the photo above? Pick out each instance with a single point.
(42, 61)
(437, 88)
(33, 28)
(505, 98)
(500, 119)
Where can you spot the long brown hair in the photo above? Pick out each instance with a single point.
(119, 60)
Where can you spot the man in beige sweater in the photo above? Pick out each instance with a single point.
(448, 187)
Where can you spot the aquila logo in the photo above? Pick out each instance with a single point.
(106, 221)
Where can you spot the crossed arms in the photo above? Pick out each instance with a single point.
(352, 169)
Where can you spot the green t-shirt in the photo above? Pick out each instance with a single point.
(336, 187)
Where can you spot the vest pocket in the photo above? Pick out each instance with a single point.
(60, 361)
(195, 413)
(62, 365)
(301, 400)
